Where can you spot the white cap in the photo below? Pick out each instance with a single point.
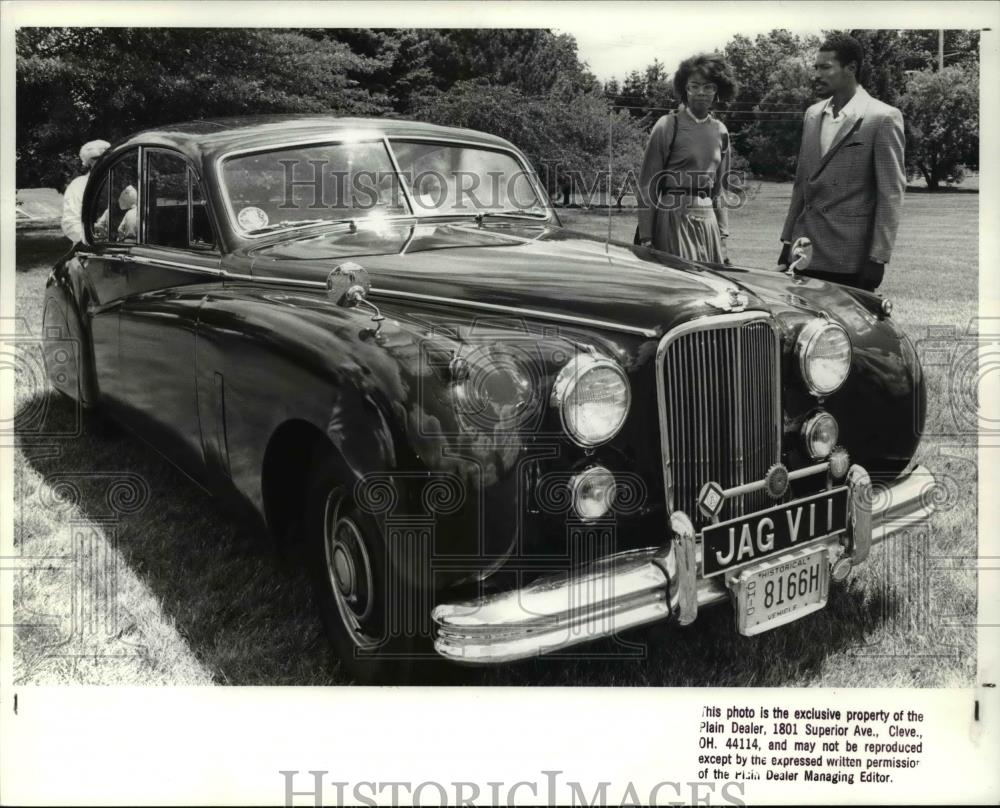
(93, 149)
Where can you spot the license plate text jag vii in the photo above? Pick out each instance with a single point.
(741, 541)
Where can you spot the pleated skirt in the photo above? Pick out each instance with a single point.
(686, 226)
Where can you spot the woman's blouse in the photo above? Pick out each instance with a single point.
(697, 161)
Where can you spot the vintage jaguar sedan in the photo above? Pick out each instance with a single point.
(492, 436)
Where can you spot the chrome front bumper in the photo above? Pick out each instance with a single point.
(643, 586)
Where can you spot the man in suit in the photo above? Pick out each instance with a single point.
(850, 176)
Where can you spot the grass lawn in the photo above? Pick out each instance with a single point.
(186, 596)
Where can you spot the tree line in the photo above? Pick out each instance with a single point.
(527, 85)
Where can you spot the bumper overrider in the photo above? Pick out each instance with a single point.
(669, 582)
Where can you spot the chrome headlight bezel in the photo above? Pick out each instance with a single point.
(567, 381)
(808, 338)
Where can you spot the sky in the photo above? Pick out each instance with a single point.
(613, 50)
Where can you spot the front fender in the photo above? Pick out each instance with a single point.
(383, 402)
(67, 348)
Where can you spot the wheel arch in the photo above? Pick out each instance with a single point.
(291, 454)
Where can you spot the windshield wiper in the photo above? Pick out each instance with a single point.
(508, 214)
(295, 223)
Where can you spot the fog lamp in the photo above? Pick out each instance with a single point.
(593, 492)
(820, 433)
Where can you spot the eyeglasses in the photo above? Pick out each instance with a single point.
(702, 89)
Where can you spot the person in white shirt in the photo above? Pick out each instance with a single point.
(72, 213)
(850, 177)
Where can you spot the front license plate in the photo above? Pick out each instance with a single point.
(781, 590)
(747, 539)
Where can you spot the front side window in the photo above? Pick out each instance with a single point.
(114, 209)
(270, 190)
(176, 213)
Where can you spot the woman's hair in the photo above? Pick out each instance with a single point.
(710, 65)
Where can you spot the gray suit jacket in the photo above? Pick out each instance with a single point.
(848, 200)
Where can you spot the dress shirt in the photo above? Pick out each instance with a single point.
(831, 123)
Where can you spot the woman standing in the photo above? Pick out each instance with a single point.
(686, 167)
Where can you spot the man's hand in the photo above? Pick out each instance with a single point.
(783, 258)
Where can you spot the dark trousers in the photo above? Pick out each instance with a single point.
(867, 280)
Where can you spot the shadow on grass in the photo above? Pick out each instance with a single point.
(944, 189)
(40, 247)
(246, 612)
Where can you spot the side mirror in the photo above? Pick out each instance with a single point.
(802, 254)
(348, 284)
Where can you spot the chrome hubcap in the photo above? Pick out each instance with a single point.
(349, 571)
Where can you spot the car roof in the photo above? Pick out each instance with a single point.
(202, 139)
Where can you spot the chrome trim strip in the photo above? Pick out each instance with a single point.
(160, 262)
(759, 485)
(238, 276)
(543, 315)
(399, 176)
(705, 324)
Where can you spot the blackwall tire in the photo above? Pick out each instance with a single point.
(353, 577)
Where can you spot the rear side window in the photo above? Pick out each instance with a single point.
(114, 209)
(176, 213)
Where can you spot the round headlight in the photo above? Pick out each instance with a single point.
(593, 397)
(593, 492)
(824, 351)
(820, 433)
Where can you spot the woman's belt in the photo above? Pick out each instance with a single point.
(678, 191)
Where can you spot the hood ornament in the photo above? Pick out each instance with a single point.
(730, 299)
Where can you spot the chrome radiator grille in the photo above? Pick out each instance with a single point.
(720, 409)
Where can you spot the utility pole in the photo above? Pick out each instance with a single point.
(940, 50)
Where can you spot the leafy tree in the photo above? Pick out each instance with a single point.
(961, 48)
(772, 141)
(647, 94)
(941, 110)
(883, 73)
(565, 134)
(529, 59)
(109, 82)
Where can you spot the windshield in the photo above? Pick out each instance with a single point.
(314, 184)
(446, 179)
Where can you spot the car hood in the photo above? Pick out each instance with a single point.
(539, 268)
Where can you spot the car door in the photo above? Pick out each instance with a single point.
(103, 267)
(173, 265)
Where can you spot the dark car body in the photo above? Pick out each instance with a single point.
(232, 356)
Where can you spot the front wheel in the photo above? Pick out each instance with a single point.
(361, 595)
